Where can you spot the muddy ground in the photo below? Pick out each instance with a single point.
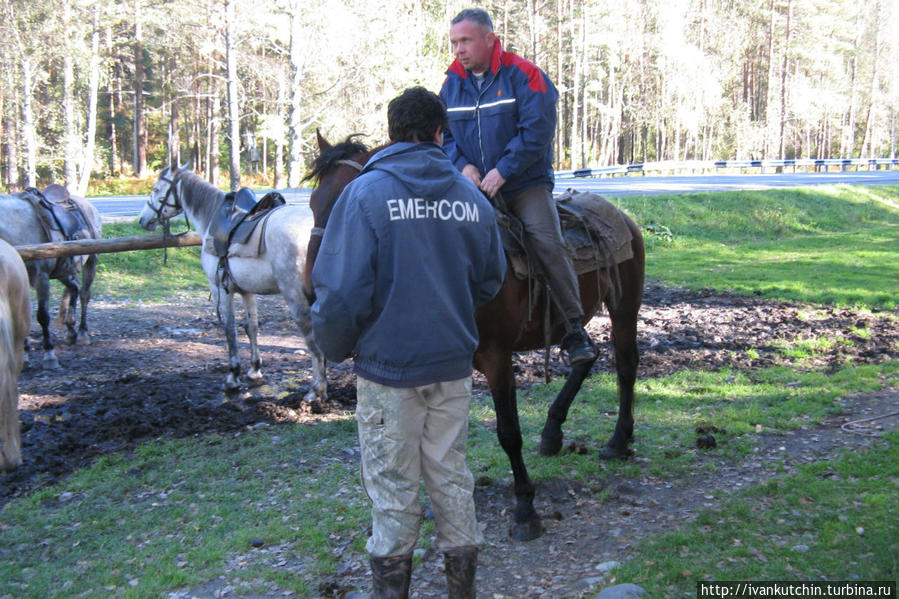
(156, 371)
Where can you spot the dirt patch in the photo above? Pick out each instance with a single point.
(156, 371)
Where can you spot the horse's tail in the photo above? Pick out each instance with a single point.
(10, 441)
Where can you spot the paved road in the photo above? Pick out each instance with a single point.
(120, 207)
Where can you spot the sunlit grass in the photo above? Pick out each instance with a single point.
(828, 245)
(147, 274)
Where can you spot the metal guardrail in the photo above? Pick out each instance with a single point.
(714, 165)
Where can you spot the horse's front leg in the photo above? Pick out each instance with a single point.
(42, 290)
(552, 436)
(226, 307)
(87, 279)
(526, 524)
(255, 372)
(72, 291)
(299, 309)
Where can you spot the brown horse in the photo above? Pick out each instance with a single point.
(508, 324)
(15, 320)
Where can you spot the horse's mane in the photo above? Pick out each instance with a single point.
(341, 151)
(204, 197)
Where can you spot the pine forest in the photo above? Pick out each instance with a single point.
(97, 89)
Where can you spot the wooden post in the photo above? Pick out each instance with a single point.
(61, 249)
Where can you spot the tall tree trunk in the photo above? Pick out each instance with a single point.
(139, 155)
(174, 134)
(71, 120)
(214, 132)
(781, 150)
(847, 141)
(574, 146)
(28, 127)
(769, 100)
(87, 161)
(560, 52)
(870, 116)
(10, 129)
(195, 128)
(113, 87)
(294, 117)
(278, 174)
(233, 101)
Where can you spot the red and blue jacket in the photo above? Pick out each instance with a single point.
(508, 125)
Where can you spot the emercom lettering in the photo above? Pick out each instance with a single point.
(419, 208)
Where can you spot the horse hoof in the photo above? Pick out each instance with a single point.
(49, 361)
(83, 339)
(526, 531)
(550, 446)
(612, 453)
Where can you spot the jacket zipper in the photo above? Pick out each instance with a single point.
(477, 110)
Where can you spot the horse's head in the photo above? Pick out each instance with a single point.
(164, 202)
(334, 168)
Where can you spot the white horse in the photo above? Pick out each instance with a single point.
(278, 270)
(15, 319)
(21, 224)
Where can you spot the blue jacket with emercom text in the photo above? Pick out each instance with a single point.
(410, 251)
(508, 124)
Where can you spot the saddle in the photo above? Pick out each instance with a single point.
(57, 211)
(236, 222)
(239, 216)
(595, 233)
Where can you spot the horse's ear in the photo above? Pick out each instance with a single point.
(322, 142)
(186, 166)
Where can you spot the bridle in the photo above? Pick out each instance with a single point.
(319, 231)
(170, 193)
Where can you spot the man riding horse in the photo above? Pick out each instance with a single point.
(502, 116)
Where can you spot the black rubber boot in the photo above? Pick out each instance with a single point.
(390, 576)
(461, 564)
(578, 345)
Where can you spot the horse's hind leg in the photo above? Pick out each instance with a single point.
(255, 372)
(87, 279)
(42, 290)
(72, 290)
(226, 307)
(552, 436)
(624, 336)
(299, 309)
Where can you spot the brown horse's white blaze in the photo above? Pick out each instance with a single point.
(507, 325)
(279, 270)
(15, 320)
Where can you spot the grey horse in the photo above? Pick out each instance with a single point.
(22, 223)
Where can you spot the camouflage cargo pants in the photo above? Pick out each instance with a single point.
(408, 434)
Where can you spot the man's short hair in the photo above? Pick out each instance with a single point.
(415, 115)
(478, 16)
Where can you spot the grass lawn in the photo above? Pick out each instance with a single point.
(177, 514)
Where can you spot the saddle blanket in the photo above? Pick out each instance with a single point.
(594, 230)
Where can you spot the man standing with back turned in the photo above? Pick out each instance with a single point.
(502, 117)
(411, 250)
